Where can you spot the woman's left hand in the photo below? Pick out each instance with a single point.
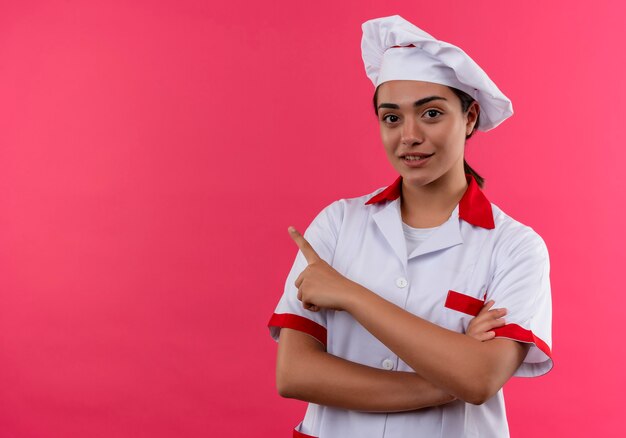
(319, 284)
(482, 325)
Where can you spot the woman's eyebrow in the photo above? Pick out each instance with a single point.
(417, 103)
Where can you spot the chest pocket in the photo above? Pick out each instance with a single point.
(463, 303)
(461, 309)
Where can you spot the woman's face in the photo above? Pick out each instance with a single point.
(417, 117)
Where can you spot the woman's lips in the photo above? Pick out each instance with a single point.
(416, 163)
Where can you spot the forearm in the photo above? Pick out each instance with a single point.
(313, 375)
(459, 364)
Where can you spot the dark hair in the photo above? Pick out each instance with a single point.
(466, 101)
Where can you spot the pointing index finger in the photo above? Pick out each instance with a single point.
(309, 253)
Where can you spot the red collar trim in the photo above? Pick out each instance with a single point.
(474, 206)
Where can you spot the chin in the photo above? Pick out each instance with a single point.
(418, 180)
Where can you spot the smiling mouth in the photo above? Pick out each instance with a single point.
(416, 157)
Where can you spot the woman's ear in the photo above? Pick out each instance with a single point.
(472, 115)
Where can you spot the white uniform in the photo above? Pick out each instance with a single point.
(479, 253)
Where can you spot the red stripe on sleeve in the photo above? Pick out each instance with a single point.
(300, 323)
(297, 434)
(514, 331)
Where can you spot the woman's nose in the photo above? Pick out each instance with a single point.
(411, 133)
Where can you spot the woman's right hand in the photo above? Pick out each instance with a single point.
(482, 325)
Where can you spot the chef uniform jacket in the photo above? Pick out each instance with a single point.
(479, 253)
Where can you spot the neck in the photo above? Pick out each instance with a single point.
(432, 204)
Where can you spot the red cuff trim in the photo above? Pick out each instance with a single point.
(297, 434)
(463, 303)
(300, 323)
(518, 333)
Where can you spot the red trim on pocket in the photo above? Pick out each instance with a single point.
(297, 434)
(300, 323)
(514, 331)
(463, 303)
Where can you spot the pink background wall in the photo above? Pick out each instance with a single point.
(153, 153)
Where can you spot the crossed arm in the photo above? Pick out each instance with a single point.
(448, 365)
(305, 371)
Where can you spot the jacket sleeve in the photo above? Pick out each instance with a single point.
(521, 284)
(322, 234)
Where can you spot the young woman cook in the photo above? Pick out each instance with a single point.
(374, 321)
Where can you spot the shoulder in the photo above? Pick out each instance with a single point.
(512, 237)
(341, 207)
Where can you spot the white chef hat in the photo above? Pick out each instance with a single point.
(421, 57)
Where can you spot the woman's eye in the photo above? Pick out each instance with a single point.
(388, 117)
(433, 113)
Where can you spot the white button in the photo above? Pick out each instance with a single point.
(401, 282)
(388, 364)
